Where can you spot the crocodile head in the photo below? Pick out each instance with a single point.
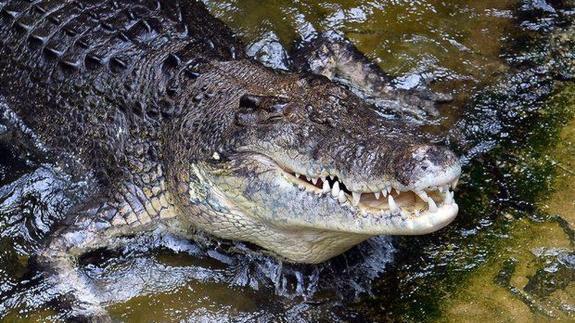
(306, 170)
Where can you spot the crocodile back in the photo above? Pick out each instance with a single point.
(99, 78)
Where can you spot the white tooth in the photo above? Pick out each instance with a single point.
(392, 206)
(296, 175)
(341, 197)
(384, 192)
(314, 181)
(422, 195)
(356, 198)
(432, 205)
(326, 187)
(301, 187)
(449, 197)
(308, 179)
(454, 184)
(335, 189)
(397, 191)
(322, 179)
(331, 177)
(377, 195)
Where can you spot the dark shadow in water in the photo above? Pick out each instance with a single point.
(383, 278)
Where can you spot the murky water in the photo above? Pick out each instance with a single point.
(499, 59)
(455, 45)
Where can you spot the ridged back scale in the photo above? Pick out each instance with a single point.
(98, 79)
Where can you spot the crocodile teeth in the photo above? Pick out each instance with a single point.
(422, 195)
(356, 197)
(326, 187)
(392, 206)
(341, 197)
(335, 189)
(454, 184)
(432, 205)
(449, 197)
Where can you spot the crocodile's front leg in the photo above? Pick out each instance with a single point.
(60, 260)
(339, 60)
(100, 225)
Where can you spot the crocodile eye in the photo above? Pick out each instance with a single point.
(255, 109)
(248, 101)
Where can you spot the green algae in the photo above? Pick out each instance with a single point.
(517, 201)
(462, 37)
(520, 282)
(479, 267)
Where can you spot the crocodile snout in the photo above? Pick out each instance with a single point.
(425, 166)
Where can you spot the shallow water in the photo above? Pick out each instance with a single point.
(530, 275)
(492, 56)
(454, 44)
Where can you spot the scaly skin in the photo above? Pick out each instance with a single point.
(157, 100)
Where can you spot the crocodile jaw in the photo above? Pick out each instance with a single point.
(258, 201)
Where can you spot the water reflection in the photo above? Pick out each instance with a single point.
(457, 46)
(452, 47)
(401, 36)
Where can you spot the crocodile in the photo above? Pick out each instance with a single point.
(175, 128)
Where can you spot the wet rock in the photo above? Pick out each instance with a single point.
(557, 273)
(269, 51)
(539, 5)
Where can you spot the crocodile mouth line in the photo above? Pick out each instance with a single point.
(389, 200)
